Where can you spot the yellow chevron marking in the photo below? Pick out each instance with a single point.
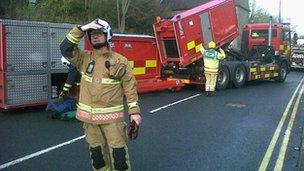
(198, 48)
(150, 63)
(139, 70)
(190, 45)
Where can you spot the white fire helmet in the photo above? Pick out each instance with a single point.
(105, 28)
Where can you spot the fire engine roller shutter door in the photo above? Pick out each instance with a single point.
(23, 89)
(206, 28)
(58, 32)
(27, 48)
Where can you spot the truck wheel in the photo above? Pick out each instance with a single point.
(223, 78)
(282, 73)
(239, 76)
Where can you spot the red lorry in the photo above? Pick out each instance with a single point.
(31, 72)
(261, 56)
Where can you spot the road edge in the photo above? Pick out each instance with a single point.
(301, 158)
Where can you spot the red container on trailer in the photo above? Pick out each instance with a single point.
(179, 39)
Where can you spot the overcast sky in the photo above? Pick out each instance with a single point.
(291, 11)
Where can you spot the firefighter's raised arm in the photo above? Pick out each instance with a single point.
(69, 46)
(221, 55)
(202, 49)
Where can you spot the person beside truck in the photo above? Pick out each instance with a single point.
(106, 78)
(212, 59)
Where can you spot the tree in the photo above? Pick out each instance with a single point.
(122, 8)
(123, 15)
(8, 7)
(260, 15)
(143, 15)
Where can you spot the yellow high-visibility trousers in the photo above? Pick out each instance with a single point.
(211, 79)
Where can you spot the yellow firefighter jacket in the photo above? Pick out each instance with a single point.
(102, 91)
(211, 60)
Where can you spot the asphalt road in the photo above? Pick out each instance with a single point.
(231, 131)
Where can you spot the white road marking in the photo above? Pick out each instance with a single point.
(174, 103)
(8, 164)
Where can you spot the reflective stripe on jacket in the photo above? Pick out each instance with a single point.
(211, 60)
(101, 96)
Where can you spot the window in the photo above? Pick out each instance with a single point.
(255, 34)
(285, 35)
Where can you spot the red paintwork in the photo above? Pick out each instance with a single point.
(139, 48)
(148, 85)
(186, 27)
(275, 42)
(2, 90)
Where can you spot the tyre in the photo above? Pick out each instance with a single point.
(223, 78)
(282, 73)
(239, 76)
(176, 89)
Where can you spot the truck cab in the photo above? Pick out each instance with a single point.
(257, 34)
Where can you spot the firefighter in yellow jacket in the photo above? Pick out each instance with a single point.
(211, 65)
(105, 79)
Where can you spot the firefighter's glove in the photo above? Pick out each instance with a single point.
(116, 69)
(202, 49)
(92, 25)
(135, 117)
(63, 95)
(135, 120)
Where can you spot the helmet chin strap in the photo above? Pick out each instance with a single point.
(100, 45)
